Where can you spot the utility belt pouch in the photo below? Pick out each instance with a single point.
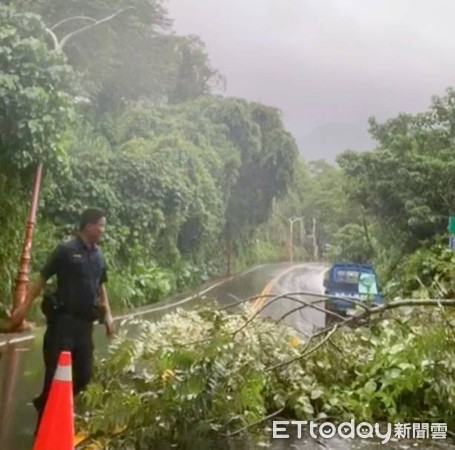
(50, 305)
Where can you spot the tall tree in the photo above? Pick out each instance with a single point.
(195, 77)
(36, 104)
(36, 93)
(406, 183)
(133, 57)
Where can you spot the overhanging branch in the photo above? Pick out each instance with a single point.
(328, 332)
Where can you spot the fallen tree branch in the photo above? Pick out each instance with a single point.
(290, 296)
(322, 297)
(257, 312)
(308, 304)
(304, 354)
(263, 419)
(401, 303)
(331, 330)
(245, 300)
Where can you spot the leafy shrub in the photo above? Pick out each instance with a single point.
(426, 273)
(159, 385)
(351, 245)
(259, 251)
(190, 375)
(399, 370)
(139, 286)
(189, 274)
(13, 217)
(144, 284)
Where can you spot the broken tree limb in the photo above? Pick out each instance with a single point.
(304, 354)
(329, 331)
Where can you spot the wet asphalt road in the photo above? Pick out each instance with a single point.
(277, 280)
(301, 278)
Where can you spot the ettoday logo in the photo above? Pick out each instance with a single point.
(364, 430)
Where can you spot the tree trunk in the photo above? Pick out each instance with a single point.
(367, 234)
(229, 255)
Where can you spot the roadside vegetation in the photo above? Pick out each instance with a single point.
(205, 374)
(131, 117)
(197, 185)
(185, 175)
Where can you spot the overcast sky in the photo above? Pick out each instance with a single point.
(327, 61)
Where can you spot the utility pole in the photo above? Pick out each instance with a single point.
(315, 243)
(291, 241)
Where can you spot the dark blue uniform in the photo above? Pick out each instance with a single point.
(80, 271)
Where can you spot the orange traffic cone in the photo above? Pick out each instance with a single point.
(56, 430)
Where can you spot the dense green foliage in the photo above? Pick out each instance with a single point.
(405, 188)
(320, 192)
(426, 273)
(390, 206)
(191, 375)
(35, 91)
(133, 57)
(123, 116)
(191, 180)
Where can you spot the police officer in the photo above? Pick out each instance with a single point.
(80, 296)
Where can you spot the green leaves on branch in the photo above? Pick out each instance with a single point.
(215, 385)
(189, 375)
(426, 273)
(36, 96)
(406, 183)
(177, 179)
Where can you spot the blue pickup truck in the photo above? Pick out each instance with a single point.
(350, 280)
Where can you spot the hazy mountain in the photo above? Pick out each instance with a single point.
(329, 140)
